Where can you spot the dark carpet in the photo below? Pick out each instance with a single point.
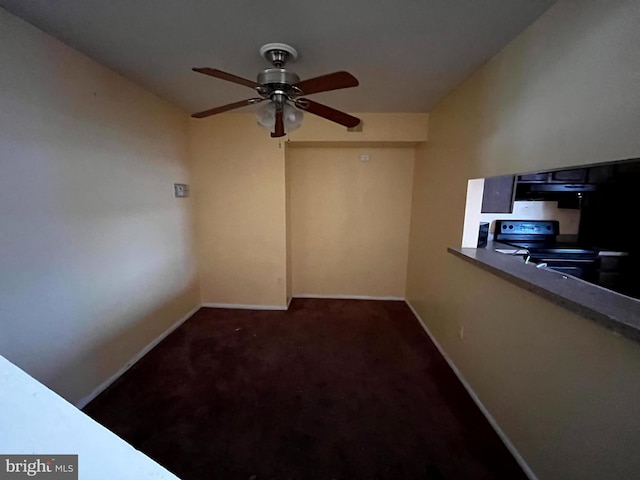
(330, 389)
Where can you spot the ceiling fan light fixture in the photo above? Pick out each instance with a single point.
(291, 116)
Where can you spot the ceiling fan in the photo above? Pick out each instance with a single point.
(283, 89)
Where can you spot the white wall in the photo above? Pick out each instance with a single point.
(96, 256)
(36, 421)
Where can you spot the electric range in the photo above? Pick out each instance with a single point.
(539, 240)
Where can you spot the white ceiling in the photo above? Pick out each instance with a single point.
(407, 54)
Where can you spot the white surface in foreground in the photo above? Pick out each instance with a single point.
(35, 420)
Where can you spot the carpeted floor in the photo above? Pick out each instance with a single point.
(330, 389)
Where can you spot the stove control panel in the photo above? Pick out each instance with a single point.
(525, 229)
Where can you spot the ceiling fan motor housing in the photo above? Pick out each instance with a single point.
(277, 76)
(278, 82)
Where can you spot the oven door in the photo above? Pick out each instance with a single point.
(583, 271)
(578, 263)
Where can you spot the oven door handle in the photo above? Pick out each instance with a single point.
(580, 261)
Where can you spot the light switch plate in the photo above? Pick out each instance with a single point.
(180, 190)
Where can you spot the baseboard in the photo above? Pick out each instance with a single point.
(245, 306)
(510, 446)
(103, 386)
(345, 297)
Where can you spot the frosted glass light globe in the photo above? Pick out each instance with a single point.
(291, 116)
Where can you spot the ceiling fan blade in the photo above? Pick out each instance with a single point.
(324, 83)
(279, 128)
(225, 108)
(327, 112)
(227, 76)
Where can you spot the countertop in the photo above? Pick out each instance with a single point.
(610, 309)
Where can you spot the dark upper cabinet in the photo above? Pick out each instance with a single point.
(570, 187)
(564, 186)
(534, 177)
(498, 194)
(601, 174)
(575, 175)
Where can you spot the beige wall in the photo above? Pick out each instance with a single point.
(96, 256)
(239, 190)
(564, 93)
(241, 198)
(287, 172)
(376, 127)
(349, 221)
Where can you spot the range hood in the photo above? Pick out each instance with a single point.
(567, 186)
(568, 195)
(557, 187)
